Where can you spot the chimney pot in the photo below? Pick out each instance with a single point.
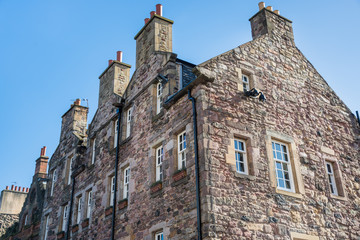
(23, 189)
(119, 56)
(43, 149)
(12, 187)
(277, 12)
(146, 20)
(27, 189)
(152, 13)
(261, 5)
(269, 8)
(16, 188)
(110, 62)
(77, 102)
(7, 187)
(159, 9)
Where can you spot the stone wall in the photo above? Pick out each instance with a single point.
(302, 111)
(6, 221)
(12, 201)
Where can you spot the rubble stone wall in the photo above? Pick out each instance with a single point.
(6, 221)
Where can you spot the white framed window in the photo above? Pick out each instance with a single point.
(159, 161)
(65, 217)
(245, 83)
(79, 207)
(126, 182)
(89, 201)
(128, 122)
(70, 170)
(116, 135)
(159, 236)
(54, 179)
(26, 220)
(240, 156)
(181, 150)
(331, 178)
(159, 92)
(46, 227)
(283, 170)
(112, 190)
(93, 152)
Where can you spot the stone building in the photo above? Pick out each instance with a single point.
(251, 144)
(31, 204)
(29, 221)
(11, 202)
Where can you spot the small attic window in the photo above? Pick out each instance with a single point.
(246, 82)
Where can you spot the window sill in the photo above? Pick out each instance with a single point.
(244, 176)
(124, 141)
(291, 194)
(156, 189)
(91, 166)
(108, 211)
(158, 116)
(75, 228)
(342, 198)
(85, 223)
(123, 204)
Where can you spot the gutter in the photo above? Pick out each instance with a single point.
(119, 110)
(197, 171)
(70, 210)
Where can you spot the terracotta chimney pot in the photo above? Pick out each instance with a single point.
(119, 55)
(261, 5)
(159, 9)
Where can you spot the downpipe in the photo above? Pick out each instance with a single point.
(119, 110)
(197, 171)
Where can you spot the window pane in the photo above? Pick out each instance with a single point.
(277, 147)
(285, 166)
(285, 157)
(288, 186)
(328, 168)
(241, 145)
(281, 183)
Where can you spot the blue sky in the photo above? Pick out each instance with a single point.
(52, 52)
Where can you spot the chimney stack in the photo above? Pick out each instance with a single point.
(119, 55)
(159, 9)
(42, 161)
(272, 24)
(155, 37)
(261, 5)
